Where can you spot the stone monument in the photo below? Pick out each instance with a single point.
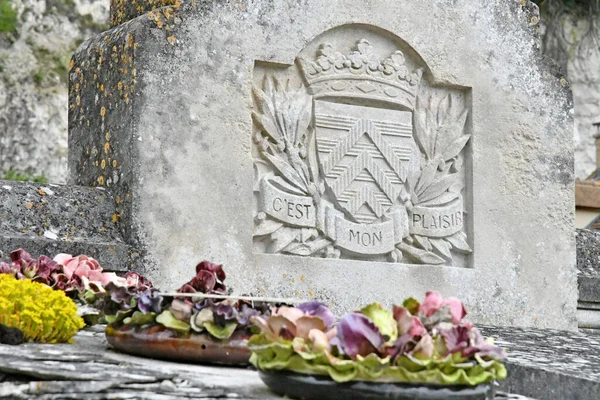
(343, 151)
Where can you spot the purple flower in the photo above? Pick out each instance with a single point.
(358, 335)
(318, 309)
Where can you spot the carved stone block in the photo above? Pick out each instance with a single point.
(344, 151)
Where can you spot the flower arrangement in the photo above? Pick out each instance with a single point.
(426, 343)
(73, 275)
(181, 316)
(42, 314)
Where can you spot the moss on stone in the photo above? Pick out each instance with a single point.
(21, 176)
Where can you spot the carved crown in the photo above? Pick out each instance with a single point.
(361, 74)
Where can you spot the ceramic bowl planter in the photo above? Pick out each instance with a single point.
(314, 387)
(159, 342)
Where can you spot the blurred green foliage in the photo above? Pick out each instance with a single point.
(8, 17)
(15, 175)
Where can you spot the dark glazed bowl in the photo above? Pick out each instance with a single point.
(312, 387)
(158, 342)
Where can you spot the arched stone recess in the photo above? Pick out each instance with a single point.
(359, 155)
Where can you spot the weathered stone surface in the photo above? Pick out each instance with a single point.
(171, 97)
(549, 364)
(52, 219)
(570, 39)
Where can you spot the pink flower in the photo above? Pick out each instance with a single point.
(87, 270)
(434, 303)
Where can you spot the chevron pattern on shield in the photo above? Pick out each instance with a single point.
(365, 155)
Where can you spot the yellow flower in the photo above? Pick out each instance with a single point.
(44, 315)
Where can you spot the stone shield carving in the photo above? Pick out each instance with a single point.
(356, 163)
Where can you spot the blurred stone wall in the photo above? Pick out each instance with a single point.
(573, 40)
(34, 63)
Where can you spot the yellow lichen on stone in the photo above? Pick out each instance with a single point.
(101, 180)
(103, 164)
(103, 109)
(115, 218)
(106, 147)
(172, 40)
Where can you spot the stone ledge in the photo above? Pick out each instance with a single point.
(51, 219)
(550, 364)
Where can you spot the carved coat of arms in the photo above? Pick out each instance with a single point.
(354, 165)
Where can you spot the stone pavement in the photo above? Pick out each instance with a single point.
(86, 370)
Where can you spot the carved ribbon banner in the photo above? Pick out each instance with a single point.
(437, 221)
(285, 207)
(372, 239)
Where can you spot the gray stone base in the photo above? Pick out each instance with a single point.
(51, 219)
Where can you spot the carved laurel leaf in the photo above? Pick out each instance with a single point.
(427, 175)
(445, 198)
(420, 256)
(442, 247)
(439, 186)
(267, 227)
(307, 249)
(282, 237)
(455, 148)
(267, 126)
(287, 171)
(423, 242)
(422, 135)
(459, 242)
(443, 108)
(450, 132)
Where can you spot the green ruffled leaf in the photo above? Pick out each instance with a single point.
(168, 320)
(220, 332)
(383, 320)
(451, 370)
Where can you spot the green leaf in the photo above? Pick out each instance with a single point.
(412, 305)
(140, 318)
(118, 317)
(383, 320)
(168, 320)
(220, 332)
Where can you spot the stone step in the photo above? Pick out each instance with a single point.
(49, 219)
(549, 364)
